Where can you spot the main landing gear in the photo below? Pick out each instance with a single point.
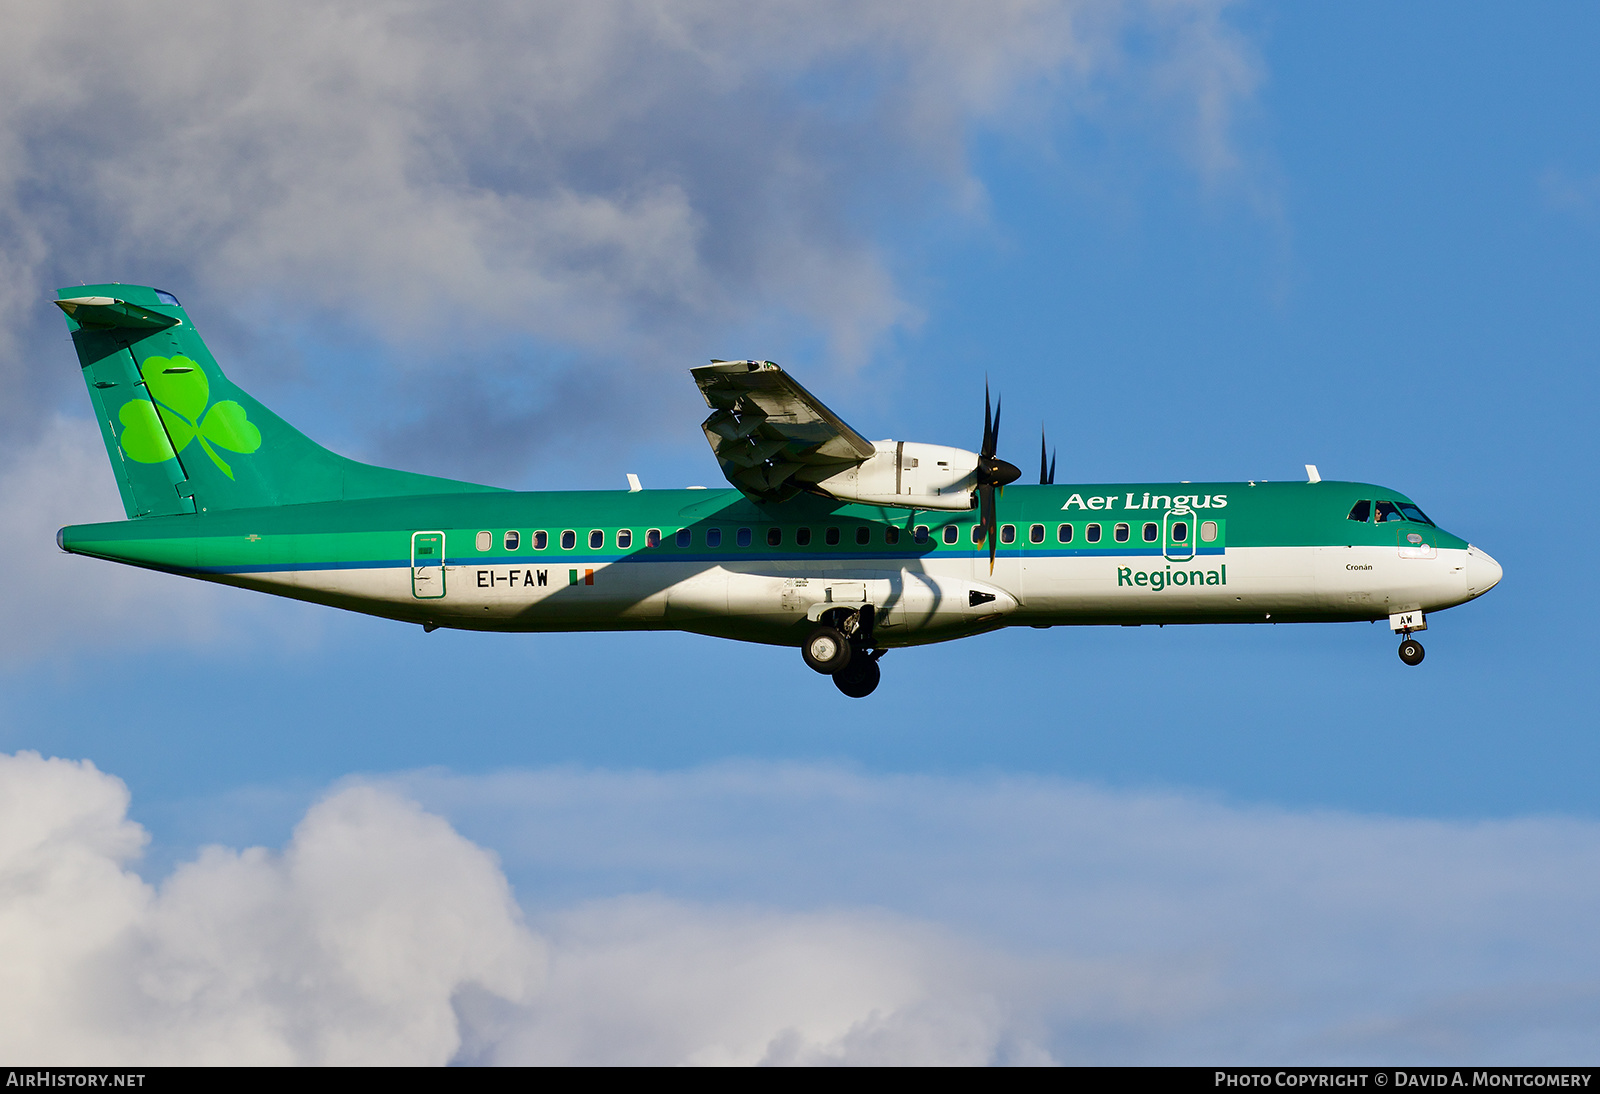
(841, 647)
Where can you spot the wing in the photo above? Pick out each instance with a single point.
(765, 429)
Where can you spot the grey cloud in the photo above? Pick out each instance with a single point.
(612, 179)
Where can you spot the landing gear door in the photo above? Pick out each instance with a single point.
(1178, 535)
(427, 565)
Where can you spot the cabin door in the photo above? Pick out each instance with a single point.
(1178, 535)
(427, 565)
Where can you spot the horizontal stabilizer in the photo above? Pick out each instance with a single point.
(109, 313)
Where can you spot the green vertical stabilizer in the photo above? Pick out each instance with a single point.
(182, 437)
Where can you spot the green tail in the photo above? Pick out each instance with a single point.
(182, 438)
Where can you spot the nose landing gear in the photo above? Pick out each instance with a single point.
(842, 648)
(1405, 624)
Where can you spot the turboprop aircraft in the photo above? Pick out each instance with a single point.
(840, 546)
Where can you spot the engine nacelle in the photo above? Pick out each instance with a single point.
(907, 475)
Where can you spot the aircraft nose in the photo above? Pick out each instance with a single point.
(1483, 572)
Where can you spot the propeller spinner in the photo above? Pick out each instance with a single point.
(993, 474)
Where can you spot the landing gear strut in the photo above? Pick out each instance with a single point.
(841, 647)
(1405, 624)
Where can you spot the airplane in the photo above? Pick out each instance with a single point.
(843, 547)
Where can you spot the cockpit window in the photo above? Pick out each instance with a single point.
(1411, 512)
(1362, 511)
(167, 298)
(1387, 511)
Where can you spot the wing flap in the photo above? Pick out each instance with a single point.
(765, 428)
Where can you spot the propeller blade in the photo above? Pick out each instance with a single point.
(987, 519)
(1052, 481)
(987, 447)
(992, 474)
(1046, 477)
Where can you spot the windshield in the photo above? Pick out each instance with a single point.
(1402, 510)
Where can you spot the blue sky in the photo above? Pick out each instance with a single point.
(1193, 241)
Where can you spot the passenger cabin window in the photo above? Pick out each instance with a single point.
(541, 540)
(597, 540)
(831, 537)
(625, 538)
(1152, 531)
(713, 537)
(1208, 532)
(951, 533)
(1180, 532)
(684, 538)
(774, 536)
(1091, 533)
(513, 540)
(1361, 510)
(863, 535)
(1063, 533)
(485, 540)
(978, 531)
(891, 535)
(1036, 533)
(802, 536)
(744, 537)
(1122, 533)
(1387, 511)
(921, 534)
(652, 538)
(1008, 533)
(569, 540)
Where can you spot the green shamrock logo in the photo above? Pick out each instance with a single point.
(180, 392)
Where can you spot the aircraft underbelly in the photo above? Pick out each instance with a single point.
(928, 600)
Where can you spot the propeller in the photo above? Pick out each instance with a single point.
(1047, 471)
(992, 474)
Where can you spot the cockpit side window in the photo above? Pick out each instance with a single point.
(1411, 512)
(1387, 511)
(1362, 511)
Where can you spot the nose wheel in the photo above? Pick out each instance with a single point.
(1411, 651)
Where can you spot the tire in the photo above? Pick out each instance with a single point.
(860, 679)
(827, 651)
(1411, 652)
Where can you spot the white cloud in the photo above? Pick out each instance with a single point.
(1170, 929)
(349, 947)
(792, 915)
